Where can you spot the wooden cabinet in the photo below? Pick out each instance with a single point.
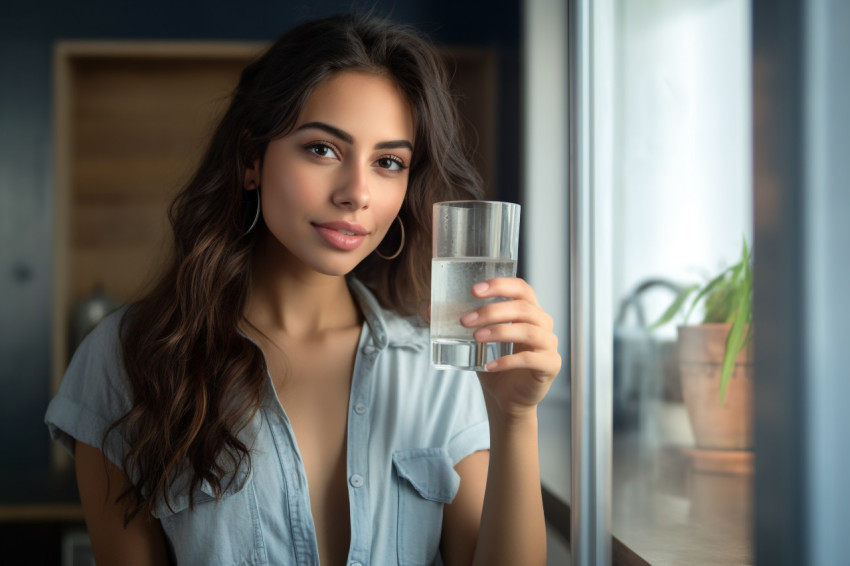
(131, 122)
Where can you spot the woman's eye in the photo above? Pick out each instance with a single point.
(390, 164)
(322, 150)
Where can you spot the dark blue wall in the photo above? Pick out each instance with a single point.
(28, 31)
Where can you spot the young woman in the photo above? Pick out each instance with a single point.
(271, 400)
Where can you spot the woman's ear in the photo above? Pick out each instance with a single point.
(252, 176)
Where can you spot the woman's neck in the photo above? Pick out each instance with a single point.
(299, 303)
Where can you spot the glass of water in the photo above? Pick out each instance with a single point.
(473, 241)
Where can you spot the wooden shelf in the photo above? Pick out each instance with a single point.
(43, 513)
(39, 495)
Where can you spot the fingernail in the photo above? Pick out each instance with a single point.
(482, 335)
(490, 366)
(469, 318)
(480, 287)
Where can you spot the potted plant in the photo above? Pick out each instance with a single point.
(715, 364)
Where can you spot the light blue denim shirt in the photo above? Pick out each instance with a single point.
(408, 426)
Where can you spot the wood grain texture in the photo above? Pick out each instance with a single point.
(131, 121)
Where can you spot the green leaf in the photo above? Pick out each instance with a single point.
(748, 338)
(747, 306)
(735, 342)
(740, 318)
(674, 308)
(708, 289)
(745, 253)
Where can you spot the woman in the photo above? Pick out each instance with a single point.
(271, 400)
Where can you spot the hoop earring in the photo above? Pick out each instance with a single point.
(400, 247)
(256, 215)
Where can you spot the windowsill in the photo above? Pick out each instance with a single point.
(662, 510)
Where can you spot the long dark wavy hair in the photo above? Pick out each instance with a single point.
(196, 380)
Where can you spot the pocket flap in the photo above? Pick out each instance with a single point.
(233, 481)
(178, 494)
(429, 471)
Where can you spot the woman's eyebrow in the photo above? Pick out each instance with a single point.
(344, 136)
(394, 145)
(348, 138)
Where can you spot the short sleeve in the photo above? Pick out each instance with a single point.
(94, 393)
(471, 431)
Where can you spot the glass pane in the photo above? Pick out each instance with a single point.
(682, 211)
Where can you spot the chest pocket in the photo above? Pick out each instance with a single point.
(226, 532)
(426, 481)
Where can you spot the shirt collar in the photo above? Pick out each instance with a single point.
(387, 327)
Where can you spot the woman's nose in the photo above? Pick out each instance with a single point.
(353, 192)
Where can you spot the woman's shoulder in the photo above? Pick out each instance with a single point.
(408, 357)
(94, 391)
(387, 325)
(405, 329)
(103, 341)
(108, 327)
(97, 365)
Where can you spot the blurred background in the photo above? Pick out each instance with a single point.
(650, 143)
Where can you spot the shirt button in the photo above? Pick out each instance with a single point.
(360, 408)
(356, 480)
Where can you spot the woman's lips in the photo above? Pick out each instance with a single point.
(343, 236)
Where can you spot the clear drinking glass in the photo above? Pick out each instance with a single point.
(473, 241)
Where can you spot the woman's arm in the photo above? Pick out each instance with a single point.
(504, 524)
(508, 513)
(142, 542)
(462, 517)
(513, 529)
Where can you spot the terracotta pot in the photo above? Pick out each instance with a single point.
(717, 425)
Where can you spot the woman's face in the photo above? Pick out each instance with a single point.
(332, 187)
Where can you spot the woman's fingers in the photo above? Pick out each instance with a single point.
(518, 310)
(509, 287)
(544, 366)
(517, 319)
(534, 348)
(530, 336)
